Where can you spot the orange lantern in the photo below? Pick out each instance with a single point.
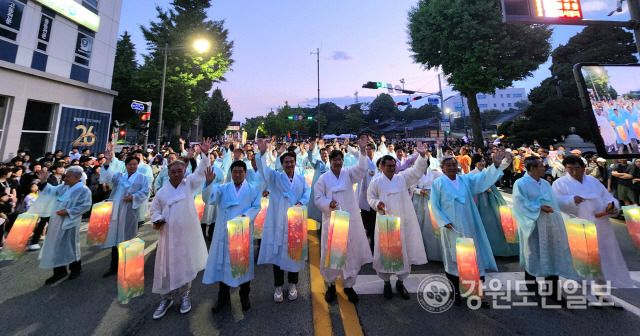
(239, 233)
(337, 239)
(296, 232)
(470, 284)
(258, 223)
(390, 243)
(99, 223)
(509, 224)
(130, 269)
(622, 133)
(632, 217)
(636, 129)
(305, 234)
(583, 243)
(199, 206)
(434, 224)
(16, 242)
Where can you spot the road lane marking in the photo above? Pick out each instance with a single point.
(321, 319)
(350, 320)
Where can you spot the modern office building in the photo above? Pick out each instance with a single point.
(56, 66)
(503, 100)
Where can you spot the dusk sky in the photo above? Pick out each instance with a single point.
(360, 41)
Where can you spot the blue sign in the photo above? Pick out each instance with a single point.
(83, 128)
(137, 106)
(432, 100)
(295, 117)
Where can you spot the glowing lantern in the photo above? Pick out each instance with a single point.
(355, 187)
(583, 243)
(16, 242)
(636, 129)
(258, 224)
(99, 223)
(509, 224)
(308, 175)
(239, 232)
(199, 206)
(337, 239)
(130, 269)
(434, 224)
(390, 243)
(296, 231)
(305, 234)
(622, 133)
(632, 217)
(470, 284)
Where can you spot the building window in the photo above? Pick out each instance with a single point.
(508, 95)
(36, 129)
(44, 32)
(509, 104)
(502, 104)
(517, 95)
(494, 96)
(482, 96)
(495, 105)
(84, 45)
(4, 105)
(482, 105)
(458, 104)
(93, 3)
(10, 18)
(501, 95)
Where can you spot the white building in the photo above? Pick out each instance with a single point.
(503, 100)
(56, 66)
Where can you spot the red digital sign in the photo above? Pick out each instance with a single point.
(563, 9)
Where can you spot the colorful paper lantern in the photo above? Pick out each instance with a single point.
(258, 223)
(509, 224)
(583, 243)
(296, 232)
(622, 133)
(16, 242)
(308, 176)
(337, 239)
(355, 187)
(636, 129)
(199, 206)
(99, 223)
(130, 269)
(390, 243)
(468, 273)
(632, 217)
(305, 233)
(434, 224)
(239, 232)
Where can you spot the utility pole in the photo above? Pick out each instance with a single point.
(442, 103)
(464, 117)
(318, 107)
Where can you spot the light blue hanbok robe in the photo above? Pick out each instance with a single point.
(124, 215)
(283, 195)
(211, 210)
(544, 246)
(62, 243)
(455, 205)
(143, 169)
(319, 168)
(162, 178)
(489, 203)
(432, 245)
(231, 203)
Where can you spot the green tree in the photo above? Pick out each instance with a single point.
(425, 111)
(125, 73)
(190, 75)
(479, 53)
(383, 107)
(216, 115)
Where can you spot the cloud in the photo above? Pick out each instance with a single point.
(596, 5)
(342, 56)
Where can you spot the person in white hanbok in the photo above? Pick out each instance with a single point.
(606, 130)
(368, 214)
(389, 193)
(319, 161)
(181, 251)
(584, 197)
(421, 195)
(64, 205)
(130, 192)
(286, 190)
(334, 191)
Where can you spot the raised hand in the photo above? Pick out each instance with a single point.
(362, 142)
(282, 149)
(209, 174)
(262, 146)
(346, 142)
(190, 153)
(312, 145)
(498, 156)
(108, 153)
(181, 141)
(42, 174)
(421, 149)
(206, 145)
(383, 139)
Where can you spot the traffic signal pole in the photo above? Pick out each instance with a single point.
(441, 103)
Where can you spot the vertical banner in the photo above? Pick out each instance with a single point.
(82, 128)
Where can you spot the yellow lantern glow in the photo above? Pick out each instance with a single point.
(390, 243)
(130, 269)
(199, 206)
(99, 223)
(258, 223)
(468, 273)
(632, 218)
(337, 239)
(16, 242)
(296, 231)
(238, 230)
(509, 224)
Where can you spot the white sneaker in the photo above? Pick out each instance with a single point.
(162, 308)
(33, 247)
(277, 296)
(185, 304)
(293, 292)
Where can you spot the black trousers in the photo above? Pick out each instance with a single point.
(369, 222)
(278, 275)
(114, 259)
(455, 281)
(534, 287)
(223, 292)
(37, 232)
(74, 267)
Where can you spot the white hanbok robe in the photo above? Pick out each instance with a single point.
(231, 203)
(454, 204)
(329, 188)
(124, 215)
(62, 243)
(146, 170)
(421, 206)
(394, 194)
(181, 251)
(211, 210)
(283, 195)
(597, 198)
(606, 130)
(319, 167)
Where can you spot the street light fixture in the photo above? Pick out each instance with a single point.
(201, 46)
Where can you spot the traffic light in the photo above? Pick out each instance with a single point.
(417, 97)
(401, 103)
(145, 116)
(143, 123)
(122, 133)
(309, 118)
(290, 117)
(374, 85)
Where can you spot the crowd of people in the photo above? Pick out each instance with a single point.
(619, 124)
(452, 183)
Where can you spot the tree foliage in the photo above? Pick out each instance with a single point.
(216, 115)
(125, 75)
(383, 107)
(475, 49)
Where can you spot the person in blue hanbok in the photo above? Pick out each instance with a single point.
(286, 190)
(64, 205)
(319, 161)
(181, 251)
(234, 199)
(544, 246)
(457, 215)
(130, 192)
(421, 194)
(368, 214)
(488, 203)
(145, 170)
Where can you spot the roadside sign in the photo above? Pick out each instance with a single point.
(137, 106)
(445, 125)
